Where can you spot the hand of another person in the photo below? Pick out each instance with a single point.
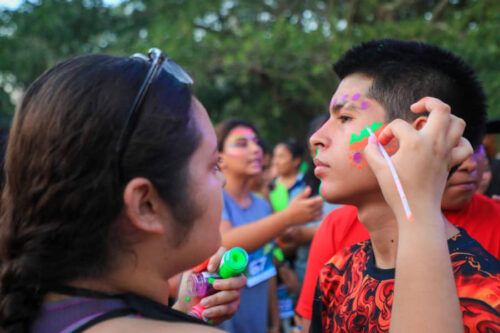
(290, 279)
(304, 209)
(424, 157)
(219, 306)
(291, 235)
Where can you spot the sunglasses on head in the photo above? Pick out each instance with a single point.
(158, 61)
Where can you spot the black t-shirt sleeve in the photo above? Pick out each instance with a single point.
(316, 319)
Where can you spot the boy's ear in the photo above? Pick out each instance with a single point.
(419, 122)
(142, 206)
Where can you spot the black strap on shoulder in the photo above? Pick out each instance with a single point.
(81, 292)
(122, 312)
(143, 306)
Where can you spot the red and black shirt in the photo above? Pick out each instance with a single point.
(353, 295)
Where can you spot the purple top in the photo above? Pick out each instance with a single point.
(67, 315)
(86, 308)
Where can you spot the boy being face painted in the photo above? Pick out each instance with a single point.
(337, 156)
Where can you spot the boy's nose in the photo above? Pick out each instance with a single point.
(469, 165)
(318, 139)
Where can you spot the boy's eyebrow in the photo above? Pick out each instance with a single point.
(344, 105)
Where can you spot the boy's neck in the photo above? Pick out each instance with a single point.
(382, 226)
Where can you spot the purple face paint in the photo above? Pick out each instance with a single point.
(345, 97)
(356, 96)
(364, 105)
(357, 157)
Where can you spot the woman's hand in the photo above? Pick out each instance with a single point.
(424, 157)
(220, 306)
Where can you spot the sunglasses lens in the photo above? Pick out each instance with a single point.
(177, 71)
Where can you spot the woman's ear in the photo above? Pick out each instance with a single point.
(419, 122)
(142, 206)
(221, 161)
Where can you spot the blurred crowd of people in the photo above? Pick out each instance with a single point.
(105, 213)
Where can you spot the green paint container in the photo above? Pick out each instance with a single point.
(234, 262)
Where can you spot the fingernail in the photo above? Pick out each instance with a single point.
(204, 302)
(208, 313)
(372, 139)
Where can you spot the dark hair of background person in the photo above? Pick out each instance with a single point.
(405, 71)
(62, 197)
(4, 133)
(294, 147)
(310, 178)
(225, 127)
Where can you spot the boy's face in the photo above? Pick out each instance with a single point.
(464, 182)
(340, 163)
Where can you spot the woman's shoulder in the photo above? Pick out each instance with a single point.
(132, 325)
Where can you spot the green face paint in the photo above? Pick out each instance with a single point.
(364, 134)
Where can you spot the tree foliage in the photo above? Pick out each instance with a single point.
(268, 61)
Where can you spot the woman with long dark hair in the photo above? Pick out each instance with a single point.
(111, 188)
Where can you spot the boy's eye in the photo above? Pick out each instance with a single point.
(344, 118)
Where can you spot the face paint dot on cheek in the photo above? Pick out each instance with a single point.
(364, 105)
(345, 97)
(357, 157)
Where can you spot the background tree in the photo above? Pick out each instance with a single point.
(268, 61)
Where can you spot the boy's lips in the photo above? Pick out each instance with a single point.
(321, 167)
(467, 185)
(317, 162)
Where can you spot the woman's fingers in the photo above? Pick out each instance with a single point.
(398, 129)
(220, 298)
(233, 283)
(455, 131)
(219, 313)
(461, 152)
(439, 117)
(214, 261)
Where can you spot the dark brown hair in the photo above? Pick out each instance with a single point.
(62, 195)
(225, 127)
(405, 71)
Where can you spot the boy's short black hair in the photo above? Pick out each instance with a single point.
(405, 71)
(294, 147)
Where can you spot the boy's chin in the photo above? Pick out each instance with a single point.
(334, 197)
